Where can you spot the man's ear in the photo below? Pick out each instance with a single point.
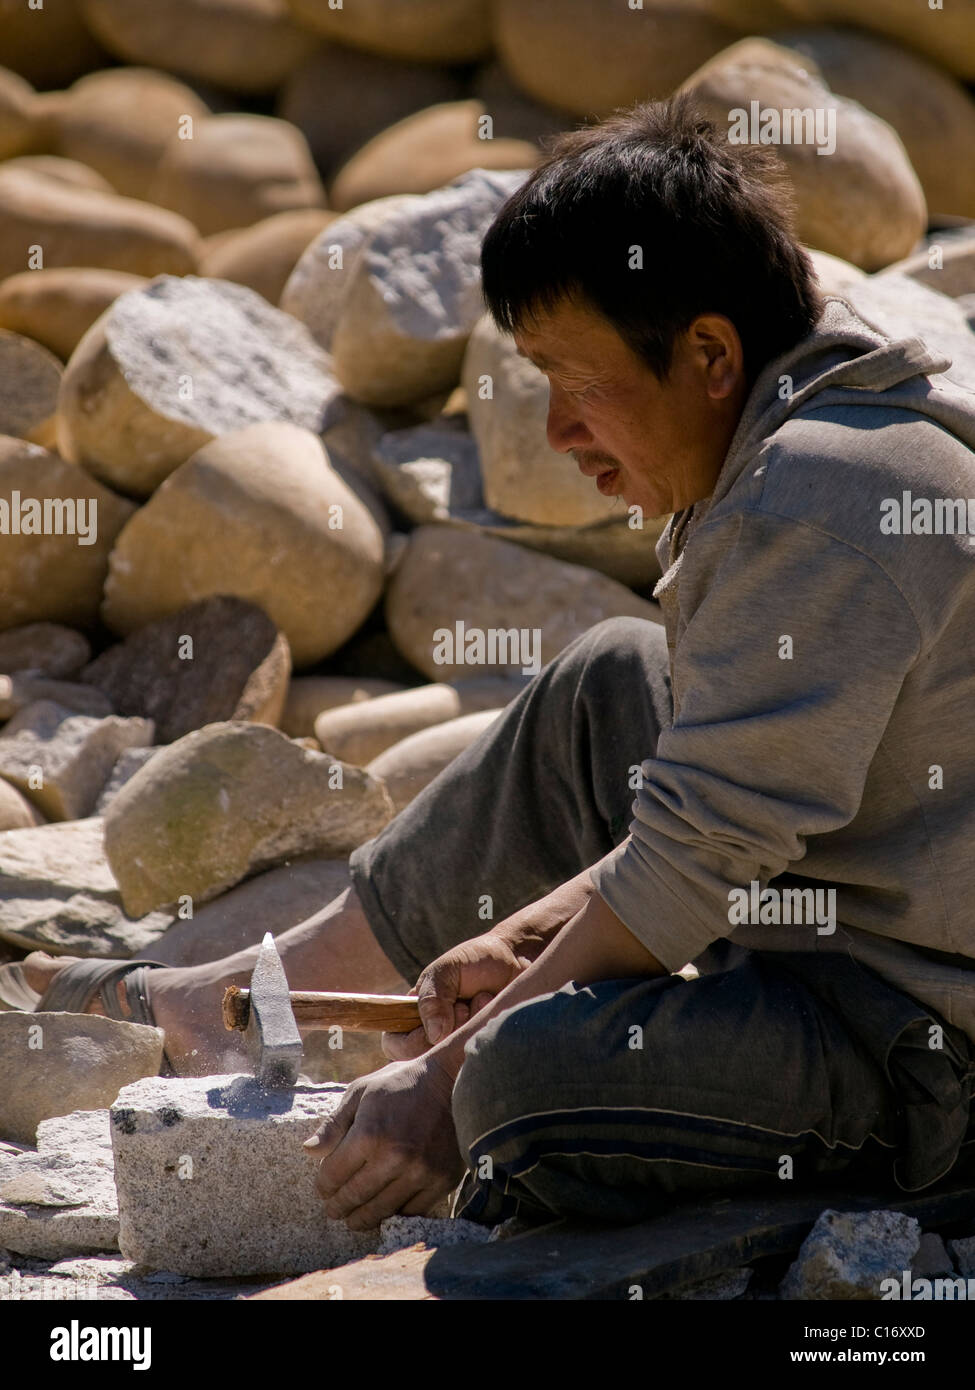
(714, 340)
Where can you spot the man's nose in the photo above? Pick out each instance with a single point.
(565, 428)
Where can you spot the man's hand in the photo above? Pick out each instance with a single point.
(390, 1146)
(458, 985)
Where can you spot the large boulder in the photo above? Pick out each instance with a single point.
(61, 170)
(425, 150)
(172, 366)
(263, 256)
(121, 120)
(56, 1063)
(46, 647)
(366, 92)
(426, 31)
(20, 122)
(236, 170)
(60, 760)
(46, 576)
(30, 378)
(58, 894)
(228, 801)
(944, 33)
(507, 401)
(221, 658)
(589, 59)
(930, 110)
(48, 44)
(310, 696)
(261, 514)
(57, 307)
(455, 591)
(243, 45)
(75, 226)
(409, 766)
(415, 294)
(860, 200)
(16, 812)
(359, 733)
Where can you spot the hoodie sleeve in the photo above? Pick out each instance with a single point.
(784, 679)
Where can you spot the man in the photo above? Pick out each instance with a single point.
(791, 753)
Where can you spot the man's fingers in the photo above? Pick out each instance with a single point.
(387, 1202)
(437, 991)
(332, 1131)
(367, 1182)
(479, 1001)
(403, 1047)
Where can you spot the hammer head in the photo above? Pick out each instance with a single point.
(273, 1040)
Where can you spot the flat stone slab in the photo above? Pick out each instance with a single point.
(59, 1199)
(55, 1063)
(58, 894)
(109, 1278)
(213, 1181)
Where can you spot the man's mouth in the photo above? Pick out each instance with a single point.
(606, 481)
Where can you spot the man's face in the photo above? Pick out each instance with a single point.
(658, 445)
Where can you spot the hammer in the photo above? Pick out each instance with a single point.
(269, 1015)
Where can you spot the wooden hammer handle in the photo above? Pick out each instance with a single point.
(360, 1013)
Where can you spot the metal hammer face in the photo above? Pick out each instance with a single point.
(273, 1040)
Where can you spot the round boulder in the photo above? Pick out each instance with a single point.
(426, 150)
(309, 696)
(523, 477)
(18, 115)
(588, 59)
(50, 44)
(46, 576)
(243, 45)
(236, 170)
(261, 514)
(29, 380)
(55, 224)
(428, 31)
(942, 32)
(57, 307)
(410, 765)
(176, 364)
(856, 193)
(68, 171)
(121, 120)
(262, 257)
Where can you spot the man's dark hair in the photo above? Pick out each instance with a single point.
(714, 222)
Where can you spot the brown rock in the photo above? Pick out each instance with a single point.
(263, 256)
(29, 380)
(428, 31)
(57, 307)
(121, 120)
(309, 696)
(176, 364)
(360, 733)
(80, 226)
(18, 115)
(61, 760)
(366, 93)
(589, 60)
(945, 35)
(45, 576)
(448, 576)
(46, 647)
(221, 658)
(516, 115)
(244, 45)
(424, 151)
(257, 514)
(49, 46)
(409, 766)
(930, 110)
(69, 171)
(16, 812)
(862, 201)
(237, 170)
(228, 801)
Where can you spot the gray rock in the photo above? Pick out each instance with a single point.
(228, 801)
(963, 1254)
(29, 381)
(723, 1287)
(932, 1259)
(213, 1181)
(47, 647)
(221, 658)
(109, 1278)
(25, 688)
(58, 894)
(847, 1254)
(59, 1199)
(61, 760)
(400, 1232)
(54, 1063)
(127, 764)
(430, 471)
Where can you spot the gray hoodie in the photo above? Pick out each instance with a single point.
(823, 667)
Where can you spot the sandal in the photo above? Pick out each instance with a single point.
(74, 987)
